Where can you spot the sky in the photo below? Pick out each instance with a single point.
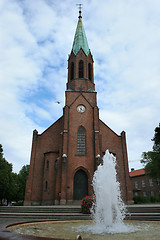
(35, 40)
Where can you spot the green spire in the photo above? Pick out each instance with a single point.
(80, 40)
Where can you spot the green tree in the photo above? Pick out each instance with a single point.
(5, 177)
(21, 181)
(12, 185)
(151, 159)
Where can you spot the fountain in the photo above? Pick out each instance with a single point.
(108, 209)
(70, 229)
(108, 213)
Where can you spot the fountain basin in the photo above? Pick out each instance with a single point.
(70, 229)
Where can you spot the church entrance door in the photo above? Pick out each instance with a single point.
(80, 185)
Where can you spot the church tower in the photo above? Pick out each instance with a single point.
(65, 156)
(81, 143)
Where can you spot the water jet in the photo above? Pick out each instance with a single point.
(109, 209)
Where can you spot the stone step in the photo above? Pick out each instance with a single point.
(143, 212)
(143, 216)
(73, 216)
(41, 209)
(134, 212)
(143, 209)
(147, 216)
(43, 216)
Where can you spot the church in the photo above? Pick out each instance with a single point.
(65, 156)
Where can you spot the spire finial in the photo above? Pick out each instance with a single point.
(80, 8)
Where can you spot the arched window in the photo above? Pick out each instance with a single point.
(81, 69)
(81, 141)
(72, 70)
(90, 71)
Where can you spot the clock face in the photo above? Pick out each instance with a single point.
(81, 108)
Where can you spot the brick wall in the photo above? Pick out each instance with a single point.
(145, 186)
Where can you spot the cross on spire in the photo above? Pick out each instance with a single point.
(80, 8)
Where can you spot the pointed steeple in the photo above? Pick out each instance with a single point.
(80, 62)
(80, 40)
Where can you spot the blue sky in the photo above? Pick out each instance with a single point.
(36, 38)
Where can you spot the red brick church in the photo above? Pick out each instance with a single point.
(65, 156)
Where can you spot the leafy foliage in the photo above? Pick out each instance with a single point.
(156, 139)
(12, 185)
(86, 204)
(151, 159)
(5, 176)
(22, 178)
(149, 199)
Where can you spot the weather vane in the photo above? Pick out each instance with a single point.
(80, 8)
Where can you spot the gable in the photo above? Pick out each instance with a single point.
(79, 97)
(104, 127)
(89, 97)
(109, 139)
(57, 126)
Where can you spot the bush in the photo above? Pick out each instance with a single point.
(86, 204)
(155, 199)
(19, 203)
(149, 199)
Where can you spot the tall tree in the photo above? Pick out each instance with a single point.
(151, 159)
(5, 176)
(12, 185)
(22, 178)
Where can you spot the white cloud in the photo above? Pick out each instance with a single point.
(36, 38)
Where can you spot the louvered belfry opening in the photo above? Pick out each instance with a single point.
(72, 70)
(89, 71)
(81, 69)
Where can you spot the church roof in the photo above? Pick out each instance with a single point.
(80, 40)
